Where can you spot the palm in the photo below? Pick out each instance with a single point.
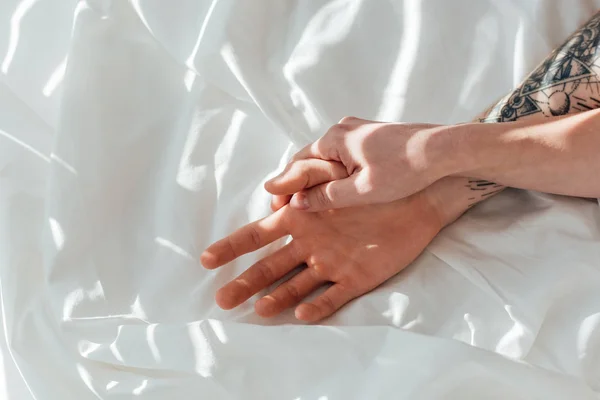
(356, 249)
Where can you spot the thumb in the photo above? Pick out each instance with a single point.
(351, 191)
(278, 201)
(303, 174)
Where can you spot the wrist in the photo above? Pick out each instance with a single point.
(446, 199)
(466, 155)
(448, 150)
(487, 151)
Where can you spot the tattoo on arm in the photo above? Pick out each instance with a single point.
(551, 88)
(568, 81)
(480, 189)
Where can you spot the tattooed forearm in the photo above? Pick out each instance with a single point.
(568, 81)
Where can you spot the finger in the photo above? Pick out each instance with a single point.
(278, 201)
(260, 275)
(288, 294)
(350, 120)
(356, 121)
(348, 192)
(245, 240)
(325, 305)
(313, 150)
(304, 174)
(325, 147)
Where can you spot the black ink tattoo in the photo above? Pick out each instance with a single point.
(550, 89)
(482, 189)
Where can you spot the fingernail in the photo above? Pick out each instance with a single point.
(208, 260)
(300, 201)
(299, 314)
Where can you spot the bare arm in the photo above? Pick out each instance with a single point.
(389, 161)
(359, 248)
(558, 155)
(565, 83)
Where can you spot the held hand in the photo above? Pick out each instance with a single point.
(356, 249)
(376, 163)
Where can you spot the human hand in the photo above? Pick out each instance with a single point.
(381, 162)
(355, 248)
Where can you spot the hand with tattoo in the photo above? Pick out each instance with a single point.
(537, 137)
(388, 161)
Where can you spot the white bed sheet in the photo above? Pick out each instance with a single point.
(134, 133)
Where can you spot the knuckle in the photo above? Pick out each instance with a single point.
(289, 167)
(337, 132)
(264, 271)
(298, 171)
(292, 293)
(318, 267)
(327, 304)
(347, 119)
(334, 151)
(319, 271)
(305, 175)
(231, 247)
(320, 197)
(342, 127)
(293, 166)
(254, 236)
(339, 171)
(334, 141)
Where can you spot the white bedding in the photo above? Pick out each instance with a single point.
(134, 133)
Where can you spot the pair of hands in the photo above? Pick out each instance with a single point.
(382, 162)
(353, 204)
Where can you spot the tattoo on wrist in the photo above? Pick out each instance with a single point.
(480, 189)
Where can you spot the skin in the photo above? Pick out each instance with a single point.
(384, 162)
(359, 248)
(567, 82)
(556, 155)
(389, 161)
(339, 247)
